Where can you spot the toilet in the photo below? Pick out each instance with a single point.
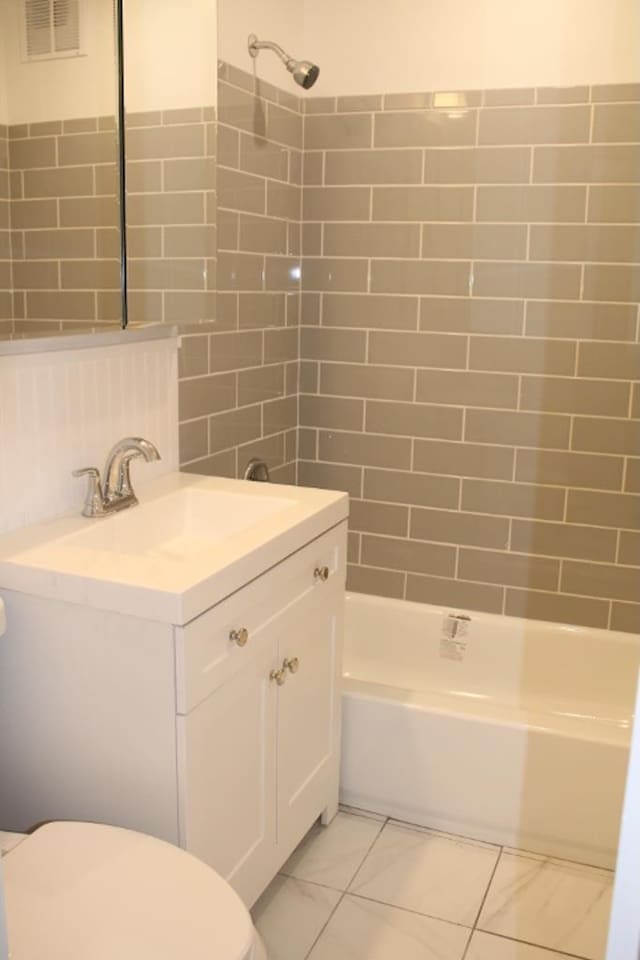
(88, 891)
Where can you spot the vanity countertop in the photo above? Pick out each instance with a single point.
(191, 542)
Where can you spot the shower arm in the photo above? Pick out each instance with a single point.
(255, 46)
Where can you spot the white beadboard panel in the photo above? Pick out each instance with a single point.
(59, 411)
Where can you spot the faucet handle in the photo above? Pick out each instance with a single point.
(94, 500)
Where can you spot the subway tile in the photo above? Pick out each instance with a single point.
(466, 388)
(238, 271)
(241, 191)
(508, 569)
(522, 355)
(478, 165)
(465, 315)
(330, 476)
(463, 459)
(156, 143)
(370, 310)
(182, 115)
(234, 428)
(371, 240)
(308, 447)
(284, 126)
(189, 241)
(413, 420)
(270, 449)
(281, 345)
(377, 382)
(48, 127)
(358, 104)
(368, 450)
(615, 91)
(599, 580)
(534, 125)
(580, 321)
(444, 277)
(385, 518)
(516, 97)
(558, 608)
(219, 465)
(284, 200)
(312, 168)
(611, 282)
(331, 412)
(598, 163)
(142, 177)
(625, 617)
(60, 305)
(459, 594)
(425, 128)
(408, 555)
(563, 540)
(345, 132)
(87, 274)
(562, 94)
(197, 173)
(616, 123)
(542, 281)
(373, 166)
(427, 203)
(513, 499)
(474, 241)
(158, 208)
(89, 212)
(280, 415)
(29, 154)
(193, 356)
(569, 469)
(309, 377)
(59, 182)
(417, 349)
(228, 227)
(569, 395)
(609, 509)
(617, 244)
(265, 309)
(74, 150)
(325, 274)
(407, 101)
(189, 306)
(610, 360)
(467, 529)
(335, 203)
(394, 486)
(262, 234)
(165, 273)
(531, 204)
(322, 343)
(260, 384)
(31, 214)
(380, 583)
(632, 478)
(629, 548)
(193, 440)
(205, 395)
(233, 351)
(312, 239)
(144, 118)
(606, 435)
(611, 203)
(42, 275)
(319, 105)
(58, 244)
(228, 146)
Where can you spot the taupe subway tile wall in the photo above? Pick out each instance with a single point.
(470, 349)
(6, 302)
(239, 387)
(63, 216)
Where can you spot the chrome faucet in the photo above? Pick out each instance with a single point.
(117, 492)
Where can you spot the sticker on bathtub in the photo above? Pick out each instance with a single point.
(455, 636)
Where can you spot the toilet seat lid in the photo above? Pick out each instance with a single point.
(83, 891)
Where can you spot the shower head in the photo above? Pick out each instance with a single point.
(304, 73)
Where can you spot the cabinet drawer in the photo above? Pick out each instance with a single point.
(214, 645)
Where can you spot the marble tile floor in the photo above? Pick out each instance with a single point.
(368, 888)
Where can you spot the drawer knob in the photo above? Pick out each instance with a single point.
(240, 636)
(291, 664)
(279, 676)
(321, 573)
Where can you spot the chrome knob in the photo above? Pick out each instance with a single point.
(240, 636)
(279, 676)
(321, 573)
(291, 664)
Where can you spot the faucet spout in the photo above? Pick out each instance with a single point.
(117, 484)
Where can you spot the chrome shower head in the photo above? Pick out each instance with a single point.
(304, 73)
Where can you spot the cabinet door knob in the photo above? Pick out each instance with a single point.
(321, 573)
(240, 636)
(279, 676)
(291, 664)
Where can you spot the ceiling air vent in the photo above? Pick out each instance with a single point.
(52, 29)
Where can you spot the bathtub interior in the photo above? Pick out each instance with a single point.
(509, 666)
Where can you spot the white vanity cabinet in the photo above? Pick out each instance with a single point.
(259, 717)
(183, 731)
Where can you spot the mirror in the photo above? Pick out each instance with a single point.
(60, 234)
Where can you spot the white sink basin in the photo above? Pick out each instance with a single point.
(189, 543)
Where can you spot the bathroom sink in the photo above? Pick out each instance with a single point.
(190, 542)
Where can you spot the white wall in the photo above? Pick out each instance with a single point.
(278, 20)
(376, 46)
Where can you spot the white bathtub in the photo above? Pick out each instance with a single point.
(522, 742)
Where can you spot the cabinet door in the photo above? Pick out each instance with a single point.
(227, 774)
(309, 711)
